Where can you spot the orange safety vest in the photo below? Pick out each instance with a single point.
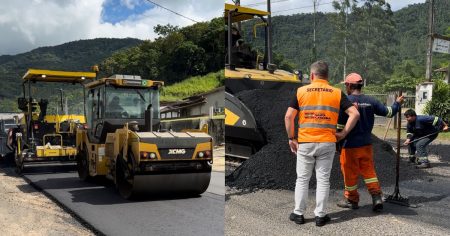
(319, 105)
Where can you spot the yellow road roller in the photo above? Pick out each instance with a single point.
(123, 141)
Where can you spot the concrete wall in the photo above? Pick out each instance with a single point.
(424, 94)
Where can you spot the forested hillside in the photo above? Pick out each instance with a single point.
(177, 54)
(77, 55)
(380, 43)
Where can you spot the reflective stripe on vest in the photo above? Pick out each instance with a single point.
(319, 105)
(313, 125)
(325, 108)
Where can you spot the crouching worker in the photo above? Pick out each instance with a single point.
(357, 154)
(426, 128)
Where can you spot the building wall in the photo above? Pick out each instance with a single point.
(215, 99)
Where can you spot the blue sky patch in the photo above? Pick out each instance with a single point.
(115, 11)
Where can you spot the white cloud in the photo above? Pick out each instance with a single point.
(282, 7)
(130, 4)
(25, 25)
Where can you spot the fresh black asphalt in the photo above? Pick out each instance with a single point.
(100, 205)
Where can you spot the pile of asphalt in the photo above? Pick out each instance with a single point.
(273, 167)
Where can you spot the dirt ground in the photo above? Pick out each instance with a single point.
(219, 159)
(26, 211)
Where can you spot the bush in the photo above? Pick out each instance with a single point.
(440, 103)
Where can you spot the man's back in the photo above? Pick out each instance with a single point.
(368, 107)
(319, 105)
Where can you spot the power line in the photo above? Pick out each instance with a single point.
(174, 12)
(302, 7)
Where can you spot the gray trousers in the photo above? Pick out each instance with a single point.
(419, 148)
(309, 155)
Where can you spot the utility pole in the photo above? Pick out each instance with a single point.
(269, 34)
(238, 3)
(345, 39)
(314, 56)
(430, 40)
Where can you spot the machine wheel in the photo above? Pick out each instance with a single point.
(83, 165)
(124, 178)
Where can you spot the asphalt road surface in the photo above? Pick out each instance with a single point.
(101, 206)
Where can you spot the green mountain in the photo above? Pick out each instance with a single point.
(388, 38)
(77, 56)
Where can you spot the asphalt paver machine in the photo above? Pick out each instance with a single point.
(246, 70)
(44, 136)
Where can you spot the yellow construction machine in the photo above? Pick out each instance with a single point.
(122, 141)
(43, 137)
(246, 70)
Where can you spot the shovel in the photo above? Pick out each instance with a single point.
(426, 136)
(396, 198)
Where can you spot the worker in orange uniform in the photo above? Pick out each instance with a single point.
(317, 106)
(357, 154)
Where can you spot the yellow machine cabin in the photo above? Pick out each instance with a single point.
(123, 142)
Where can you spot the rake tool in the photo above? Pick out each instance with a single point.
(396, 198)
(423, 137)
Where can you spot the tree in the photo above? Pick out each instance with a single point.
(164, 30)
(341, 34)
(177, 54)
(405, 77)
(373, 31)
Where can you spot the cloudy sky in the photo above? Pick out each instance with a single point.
(28, 24)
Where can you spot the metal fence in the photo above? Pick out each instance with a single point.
(388, 99)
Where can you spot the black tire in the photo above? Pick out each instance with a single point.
(83, 165)
(18, 162)
(124, 179)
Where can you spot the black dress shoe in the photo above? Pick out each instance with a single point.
(298, 219)
(321, 221)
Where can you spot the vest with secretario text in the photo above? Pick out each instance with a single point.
(319, 105)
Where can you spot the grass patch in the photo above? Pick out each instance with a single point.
(392, 134)
(192, 86)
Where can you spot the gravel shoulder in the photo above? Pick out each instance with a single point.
(266, 211)
(26, 211)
